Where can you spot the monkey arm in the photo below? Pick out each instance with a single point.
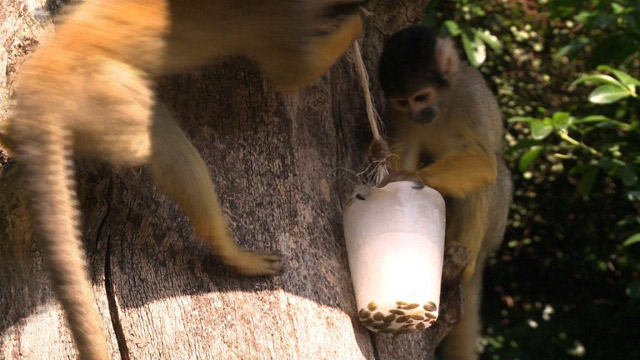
(467, 169)
(321, 52)
(327, 49)
(460, 174)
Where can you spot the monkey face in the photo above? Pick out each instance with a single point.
(419, 107)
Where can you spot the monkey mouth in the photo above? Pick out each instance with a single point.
(422, 120)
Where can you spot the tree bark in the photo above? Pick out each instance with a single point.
(283, 165)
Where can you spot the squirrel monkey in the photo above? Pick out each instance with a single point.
(88, 91)
(441, 111)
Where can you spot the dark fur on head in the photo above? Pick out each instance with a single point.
(408, 62)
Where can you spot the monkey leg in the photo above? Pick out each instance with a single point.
(181, 173)
(493, 205)
(456, 259)
(460, 174)
(467, 226)
(462, 341)
(328, 49)
(322, 51)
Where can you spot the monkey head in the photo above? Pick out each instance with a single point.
(414, 72)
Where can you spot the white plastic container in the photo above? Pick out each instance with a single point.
(395, 243)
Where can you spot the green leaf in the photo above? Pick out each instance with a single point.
(452, 28)
(631, 19)
(581, 169)
(584, 16)
(635, 238)
(596, 78)
(602, 121)
(522, 144)
(592, 119)
(628, 176)
(629, 81)
(607, 94)
(529, 157)
(633, 290)
(585, 185)
(521, 119)
(633, 195)
(572, 47)
(474, 48)
(603, 20)
(617, 8)
(540, 129)
(624, 78)
(607, 164)
(561, 120)
(604, 68)
(489, 39)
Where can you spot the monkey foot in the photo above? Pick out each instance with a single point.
(255, 263)
(456, 262)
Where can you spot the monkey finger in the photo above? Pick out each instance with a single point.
(270, 256)
(401, 176)
(446, 189)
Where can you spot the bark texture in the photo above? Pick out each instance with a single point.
(281, 164)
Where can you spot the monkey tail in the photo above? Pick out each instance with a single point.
(463, 341)
(45, 152)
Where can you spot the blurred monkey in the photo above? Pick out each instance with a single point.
(88, 90)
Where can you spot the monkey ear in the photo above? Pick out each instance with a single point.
(447, 56)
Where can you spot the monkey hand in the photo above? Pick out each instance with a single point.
(443, 187)
(254, 263)
(456, 261)
(242, 261)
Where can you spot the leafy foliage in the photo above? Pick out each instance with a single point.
(565, 283)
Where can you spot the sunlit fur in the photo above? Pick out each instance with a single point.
(462, 147)
(88, 91)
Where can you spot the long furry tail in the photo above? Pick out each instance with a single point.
(462, 341)
(45, 152)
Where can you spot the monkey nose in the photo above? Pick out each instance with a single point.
(420, 118)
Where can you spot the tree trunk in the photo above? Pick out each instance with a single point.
(283, 165)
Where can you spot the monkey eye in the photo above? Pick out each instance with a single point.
(422, 97)
(400, 103)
